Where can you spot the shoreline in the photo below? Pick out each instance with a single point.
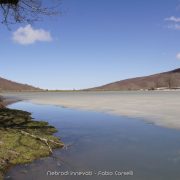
(158, 107)
(22, 138)
(5, 101)
(150, 119)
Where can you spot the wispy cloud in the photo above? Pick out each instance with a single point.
(28, 35)
(173, 22)
(173, 19)
(174, 26)
(178, 56)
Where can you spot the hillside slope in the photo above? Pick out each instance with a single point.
(7, 85)
(170, 79)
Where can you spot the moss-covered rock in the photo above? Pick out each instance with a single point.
(23, 140)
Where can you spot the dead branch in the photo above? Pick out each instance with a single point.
(13, 11)
(44, 140)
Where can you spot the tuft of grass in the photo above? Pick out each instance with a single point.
(17, 148)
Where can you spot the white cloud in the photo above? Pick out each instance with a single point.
(173, 22)
(174, 26)
(28, 35)
(178, 56)
(173, 19)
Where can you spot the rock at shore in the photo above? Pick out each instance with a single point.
(1, 102)
(1, 106)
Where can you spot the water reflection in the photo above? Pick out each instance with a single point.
(100, 142)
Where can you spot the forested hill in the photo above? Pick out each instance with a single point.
(170, 80)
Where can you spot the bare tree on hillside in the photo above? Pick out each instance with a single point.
(13, 11)
(171, 81)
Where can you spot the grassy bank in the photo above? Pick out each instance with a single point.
(22, 139)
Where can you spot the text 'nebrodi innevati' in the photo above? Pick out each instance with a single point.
(90, 173)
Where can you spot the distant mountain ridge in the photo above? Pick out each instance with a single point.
(165, 80)
(7, 85)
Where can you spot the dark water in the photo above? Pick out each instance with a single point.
(100, 142)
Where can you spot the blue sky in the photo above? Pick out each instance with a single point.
(93, 43)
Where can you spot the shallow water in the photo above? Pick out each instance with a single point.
(101, 142)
